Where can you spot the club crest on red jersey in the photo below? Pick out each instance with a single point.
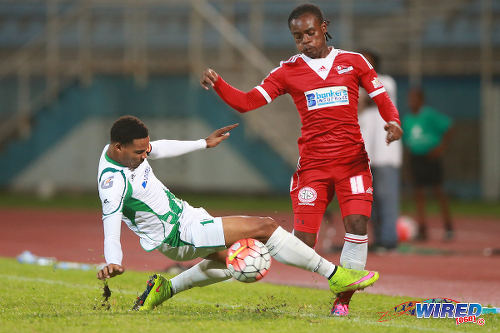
(341, 69)
(376, 83)
(307, 195)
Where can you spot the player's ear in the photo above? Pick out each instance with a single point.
(324, 28)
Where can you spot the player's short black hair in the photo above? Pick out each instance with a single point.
(308, 8)
(128, 128)
(374, 58)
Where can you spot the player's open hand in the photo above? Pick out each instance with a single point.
(109, 271)
(394, 131)
(219, 135)
(208, 78)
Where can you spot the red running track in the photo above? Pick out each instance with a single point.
(457, 270)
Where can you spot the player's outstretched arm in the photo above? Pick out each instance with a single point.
(172, 148)
(109, 271)
(219, 135)
(239, 100)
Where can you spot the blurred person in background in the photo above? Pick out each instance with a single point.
(324, 84)
(427, 133)
(385, 163)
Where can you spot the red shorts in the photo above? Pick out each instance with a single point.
(316, 181)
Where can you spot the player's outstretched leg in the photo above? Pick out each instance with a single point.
(158, 290)
(282, 245)
(288, 249)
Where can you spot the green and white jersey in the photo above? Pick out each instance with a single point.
(141, 200)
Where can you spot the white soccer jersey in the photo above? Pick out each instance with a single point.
(141, 200)
(372, 128)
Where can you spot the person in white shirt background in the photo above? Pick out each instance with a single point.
(385, 163)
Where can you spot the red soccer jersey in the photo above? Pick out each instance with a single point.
(325, 92)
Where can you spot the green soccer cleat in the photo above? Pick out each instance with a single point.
(346, 279)
(158, 290)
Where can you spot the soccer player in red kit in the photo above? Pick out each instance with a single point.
(324, 84)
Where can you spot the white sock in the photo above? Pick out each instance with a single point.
(354, 252)
(202, 274)
(290, 250)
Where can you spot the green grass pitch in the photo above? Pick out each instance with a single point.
(43, 299)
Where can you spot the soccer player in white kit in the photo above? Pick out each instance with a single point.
(130, 192)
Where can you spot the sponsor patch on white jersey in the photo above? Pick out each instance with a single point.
(146, 176)
(107, 183)
(325, 97)
(307, 195)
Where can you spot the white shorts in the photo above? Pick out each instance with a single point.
(202, 233)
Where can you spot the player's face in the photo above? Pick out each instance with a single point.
(309, 35)
(133, 154)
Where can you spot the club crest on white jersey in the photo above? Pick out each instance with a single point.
(326, 97)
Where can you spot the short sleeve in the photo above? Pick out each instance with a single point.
(112, 189)
(273, 85)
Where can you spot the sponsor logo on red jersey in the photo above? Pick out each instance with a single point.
(326, 97)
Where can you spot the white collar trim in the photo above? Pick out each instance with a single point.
(321, 66)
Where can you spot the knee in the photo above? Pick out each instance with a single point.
(356, 224)
(265, 228)
(269, 225)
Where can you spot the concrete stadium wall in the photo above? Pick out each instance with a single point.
(72, 162)
(67, 137)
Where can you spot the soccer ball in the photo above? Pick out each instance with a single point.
(406, 228)
(248, 260)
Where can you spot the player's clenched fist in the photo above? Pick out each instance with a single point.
(109, 271)
(394, 131)
(208, 78)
